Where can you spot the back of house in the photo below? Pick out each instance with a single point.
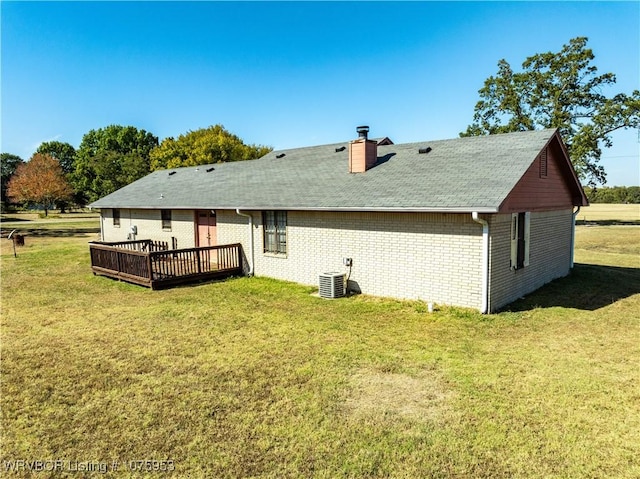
(475, 222)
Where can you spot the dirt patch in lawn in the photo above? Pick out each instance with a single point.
(424, 396)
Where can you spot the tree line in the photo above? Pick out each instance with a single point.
(615, 194)
(108, 159)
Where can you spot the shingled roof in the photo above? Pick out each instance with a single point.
(457, 175)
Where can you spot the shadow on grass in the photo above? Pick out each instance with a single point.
(14, 219)
(588, 287)
(607, 222)
(51, 233)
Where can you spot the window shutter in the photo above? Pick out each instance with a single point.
(514, 240)
(527, 228)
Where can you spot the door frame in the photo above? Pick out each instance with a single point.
(211, 215)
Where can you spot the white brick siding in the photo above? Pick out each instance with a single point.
(549, 255)
(434, 257)
(149, 226)
(428, 256)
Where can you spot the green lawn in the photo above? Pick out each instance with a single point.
(258, 378)
(603, 212)
(56, 224)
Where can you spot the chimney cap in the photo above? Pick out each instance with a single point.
(363, 131)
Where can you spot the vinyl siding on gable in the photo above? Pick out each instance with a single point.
(536, 192)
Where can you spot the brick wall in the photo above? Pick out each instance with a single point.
(150, 226)
(549, 255)
(433, 257)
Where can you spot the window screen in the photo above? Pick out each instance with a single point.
(275, 231)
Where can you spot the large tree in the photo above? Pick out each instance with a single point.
(558, 90)
(40, 181)
(110, 158)
(63, 152)
(8, 165)
(66, 156)
(204, 146)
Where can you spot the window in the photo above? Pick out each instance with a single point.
(520, 225)
(275, 231)
(166, 219)
(116, 217)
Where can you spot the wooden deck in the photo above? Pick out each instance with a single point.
(153, 265)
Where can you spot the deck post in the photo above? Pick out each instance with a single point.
(119, 269)
(150, 268)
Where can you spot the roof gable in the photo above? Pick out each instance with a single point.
(550, 182)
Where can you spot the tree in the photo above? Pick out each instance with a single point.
(633, 195)
(66, 156)
(110, 158)
(39, 181)
(8, 165)
(617, 194)
(558, 90)
(63, 152)
(204, 146)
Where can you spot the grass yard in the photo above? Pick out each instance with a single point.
(258, 378)
(57, 225)
(611, 213)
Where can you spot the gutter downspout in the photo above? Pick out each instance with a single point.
(101, 224)
(251, 253)
(573, 234)
(485, 261)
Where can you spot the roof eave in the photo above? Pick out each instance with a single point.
(354, 209)
(465, 209)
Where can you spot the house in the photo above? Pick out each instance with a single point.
(476, 222)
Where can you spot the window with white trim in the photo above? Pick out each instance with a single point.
(115, 213)
(520, 227)
(165, 216)
(275, 231)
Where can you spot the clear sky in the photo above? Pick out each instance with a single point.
(288, 74)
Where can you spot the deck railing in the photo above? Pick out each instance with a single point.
(157, 269)
(145, 245)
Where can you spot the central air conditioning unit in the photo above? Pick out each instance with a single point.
(332, 285)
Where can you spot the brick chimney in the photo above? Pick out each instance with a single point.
(363, 153)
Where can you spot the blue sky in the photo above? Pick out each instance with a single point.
(288, 74)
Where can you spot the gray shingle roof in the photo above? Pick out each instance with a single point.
(462, 174)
